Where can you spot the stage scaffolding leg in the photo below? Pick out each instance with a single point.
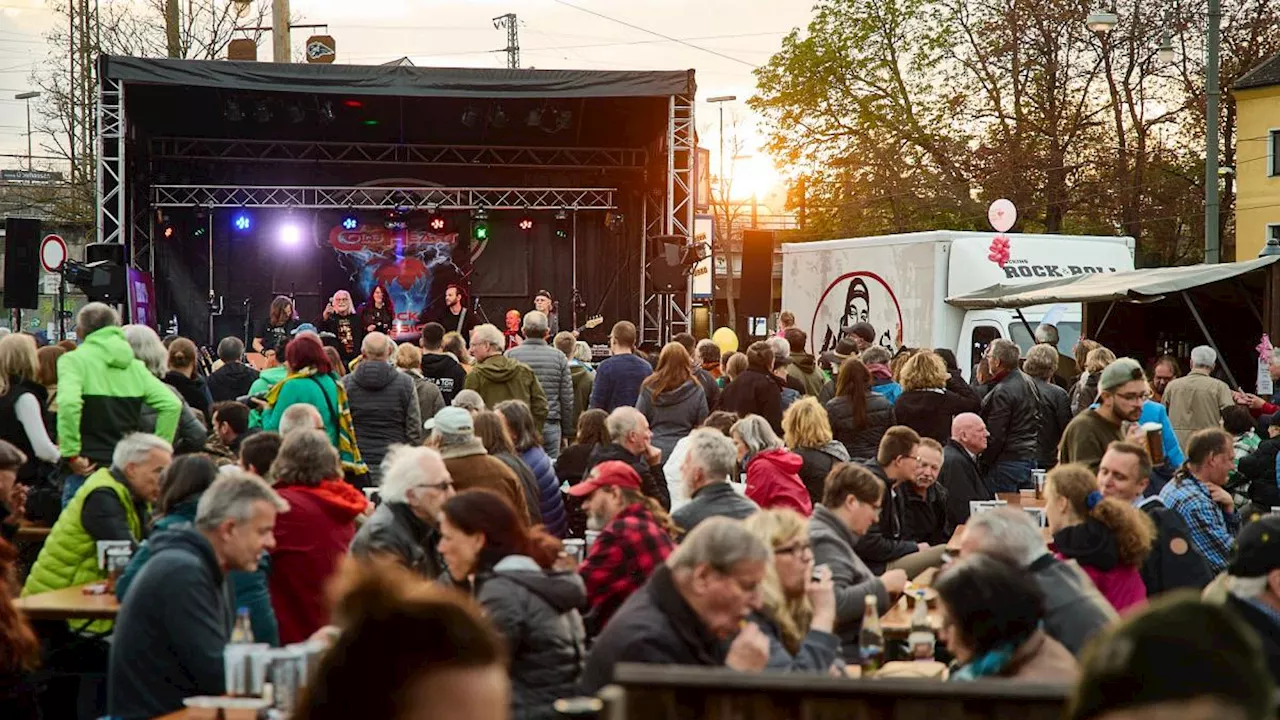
(111, 186)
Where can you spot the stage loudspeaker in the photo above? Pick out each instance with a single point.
(109, 252)
(21, 263)
(668, 267)
(755, 291)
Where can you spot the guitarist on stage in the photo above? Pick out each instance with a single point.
(545, 304)
(455, 316)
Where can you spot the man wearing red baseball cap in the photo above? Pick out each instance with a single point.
(635, 537)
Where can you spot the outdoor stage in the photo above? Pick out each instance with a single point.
(234, 182)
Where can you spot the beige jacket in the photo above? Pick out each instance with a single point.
(1195, 402)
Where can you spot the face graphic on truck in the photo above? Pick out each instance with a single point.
(855, 297)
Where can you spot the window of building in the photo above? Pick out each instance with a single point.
(1273, 153)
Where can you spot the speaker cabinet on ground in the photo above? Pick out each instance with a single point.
(22, 263)
(755, 291)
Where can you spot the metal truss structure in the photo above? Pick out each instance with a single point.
(382, 198)
(112, 195)
(663, 315)
(127, 200)
(287, 151)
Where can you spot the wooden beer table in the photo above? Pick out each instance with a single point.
(69, 604)
(32, 533)
(1017, 500)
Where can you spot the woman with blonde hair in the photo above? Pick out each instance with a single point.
(798, 612)
(1107, 537)
(671, 399)
(22, 405)
(457, 345)
(807, 432)
(1085, 392)
(408, 360)
(931, 397)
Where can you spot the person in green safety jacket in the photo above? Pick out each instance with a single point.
(114, 503)
(101, 390)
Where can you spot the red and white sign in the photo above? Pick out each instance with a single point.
(53, 252)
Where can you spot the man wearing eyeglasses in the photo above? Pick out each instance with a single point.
(924, 512)
(403, 528)
(1121, 391)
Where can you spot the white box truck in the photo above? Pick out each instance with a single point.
(900, 283)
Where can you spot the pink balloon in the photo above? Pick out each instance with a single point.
(1002, 215)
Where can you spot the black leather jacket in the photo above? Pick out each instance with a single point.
(1012, 413)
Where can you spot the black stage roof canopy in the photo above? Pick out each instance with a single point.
(400, 81)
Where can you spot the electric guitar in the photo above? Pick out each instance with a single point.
(592, 322)
(206, 361)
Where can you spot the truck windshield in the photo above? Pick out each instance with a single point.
(1068, 336)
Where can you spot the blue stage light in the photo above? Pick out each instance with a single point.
(350, 222)
(242, 221)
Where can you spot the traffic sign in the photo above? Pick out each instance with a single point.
(53, 252)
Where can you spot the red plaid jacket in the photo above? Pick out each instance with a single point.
(621, 560)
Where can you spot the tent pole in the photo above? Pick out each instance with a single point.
(1239, 287)
(1105, 317)
(1209, 338)
(1026, 324)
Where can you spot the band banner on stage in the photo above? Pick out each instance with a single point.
(405, 262)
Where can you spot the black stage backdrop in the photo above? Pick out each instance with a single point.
(251, 267)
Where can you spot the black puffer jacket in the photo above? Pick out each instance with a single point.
(1012, 413)
(536, 611)
(861, 442)
(754, 392)
(384, 410)
(817, 465)
(930, 412)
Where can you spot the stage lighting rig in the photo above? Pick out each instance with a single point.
(480, 223)
(526, 222)
(261, 112)
(242, 221)
(562, 224)
(233, 113)
(350, 221)
(497, 118)
(470, 118)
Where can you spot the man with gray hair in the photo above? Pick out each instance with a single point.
(497, 377)
(1011, 411)
(877, 359)
(1074, 609)
(690, 608)
(453, 433)
(234, 378)
(415, 485)
(300, 416)
(709, 468)
(102, 389)
(632, 443)
(552, 370)
(113, 504)
(1055, 404)
(1196, 400)
(170, 635)
(384, 403)
(1065, 369)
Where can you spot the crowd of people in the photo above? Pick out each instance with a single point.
(534, 519)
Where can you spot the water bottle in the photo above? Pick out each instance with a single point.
(242, 631)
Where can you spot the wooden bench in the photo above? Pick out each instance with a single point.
(660, 692)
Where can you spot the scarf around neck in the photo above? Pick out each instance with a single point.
(348, 451)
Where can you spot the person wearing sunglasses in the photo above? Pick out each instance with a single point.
(1121, 391)
(405, 528)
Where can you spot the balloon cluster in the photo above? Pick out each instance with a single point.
(998, 253)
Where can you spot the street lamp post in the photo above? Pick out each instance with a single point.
(1102, 22)
(720, 100)
(28, 96)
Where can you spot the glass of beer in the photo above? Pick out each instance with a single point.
(1154, 432)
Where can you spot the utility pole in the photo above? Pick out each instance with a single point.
(172, 23)
(27, 97)
(512, 50)
(280, 47)
(1211, 202)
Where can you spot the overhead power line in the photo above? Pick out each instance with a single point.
(656, 34)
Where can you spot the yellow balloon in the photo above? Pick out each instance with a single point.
(725, 339)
